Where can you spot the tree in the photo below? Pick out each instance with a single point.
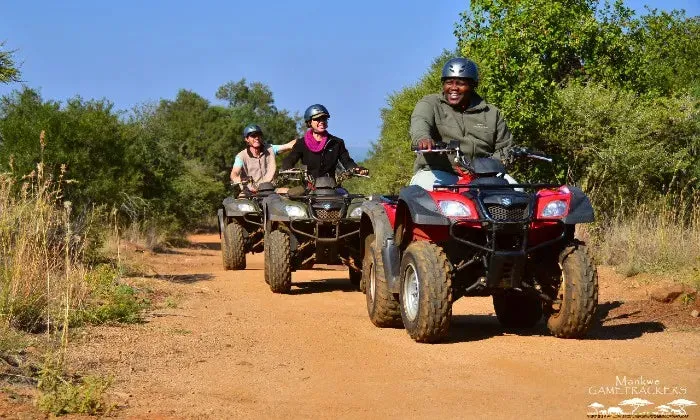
(636, 403)
(682, 404)
(85, 136)
(527, 49)
(8, 68)
(256, 96)
(670, 44)
(596, 406)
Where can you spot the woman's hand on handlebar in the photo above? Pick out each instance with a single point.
(360, 170)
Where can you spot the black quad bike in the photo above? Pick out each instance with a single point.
(320, 225)
(482, 236)
(241, 225)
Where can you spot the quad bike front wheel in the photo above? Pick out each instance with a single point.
(278, 256)
(426, 292)
(382, 306)
(517, 310)
(573, 311)
(233, 246)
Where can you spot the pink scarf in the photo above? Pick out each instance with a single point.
(312, 144)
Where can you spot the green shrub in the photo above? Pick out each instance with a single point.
(61, 395)
(107, 300)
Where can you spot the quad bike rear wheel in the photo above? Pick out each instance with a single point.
(382, 306)
(278, 255)
(517, 310)
(573, 312)
(426, 292)
(233, 246)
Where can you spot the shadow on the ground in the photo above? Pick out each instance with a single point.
(322, 286)
(617, 327)
(481, 327)
(212, 246)
(181, 278)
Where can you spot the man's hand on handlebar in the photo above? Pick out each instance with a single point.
(425, 144)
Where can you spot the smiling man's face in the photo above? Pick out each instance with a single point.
(457, 91)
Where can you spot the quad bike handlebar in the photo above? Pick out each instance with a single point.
(517, 152)
(345, 175)
(301, 174)
(453, 147)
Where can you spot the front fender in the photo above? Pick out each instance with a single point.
(374, 218)
(274, 209)
(422, 207)
(580, 208)
(230, 206)
(220, 224)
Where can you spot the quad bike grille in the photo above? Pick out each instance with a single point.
(323, 214)
(498, 212)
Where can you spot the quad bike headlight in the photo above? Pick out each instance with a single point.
(246, 207)
(454, 209)
(356, 212)
(295, 211)
(556, 208)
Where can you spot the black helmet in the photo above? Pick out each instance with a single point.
(250, 129)
(315, 110)
(462, 68)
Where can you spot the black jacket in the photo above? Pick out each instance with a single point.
(321, 163)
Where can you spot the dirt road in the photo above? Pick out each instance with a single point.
(221, 345)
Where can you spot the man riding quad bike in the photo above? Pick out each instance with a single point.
(240, 224)
(481, 236)
(320, 225)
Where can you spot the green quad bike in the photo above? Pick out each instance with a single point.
(240, 225)
(320, 225)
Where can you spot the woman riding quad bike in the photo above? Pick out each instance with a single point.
(317, 222)
(240, 216)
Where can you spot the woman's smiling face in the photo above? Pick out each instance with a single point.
(319, 124)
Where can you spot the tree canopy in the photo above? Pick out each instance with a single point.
(168, 161)
(8, 68)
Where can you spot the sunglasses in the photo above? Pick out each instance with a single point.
(324, 119)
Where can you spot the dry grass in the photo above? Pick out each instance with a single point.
(36, 280)
(659, 238)
(46, 285)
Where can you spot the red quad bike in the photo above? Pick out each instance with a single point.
(482, 236)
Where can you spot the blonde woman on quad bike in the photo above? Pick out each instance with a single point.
(257, 161)
(460, 114)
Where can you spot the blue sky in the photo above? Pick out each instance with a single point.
(347, 55)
